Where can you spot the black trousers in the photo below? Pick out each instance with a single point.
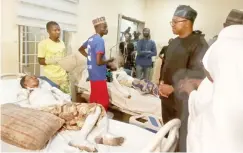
(173, 108)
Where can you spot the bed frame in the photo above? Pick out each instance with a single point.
(11, 75)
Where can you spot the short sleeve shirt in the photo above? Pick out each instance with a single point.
(49, 49)
(95, 45)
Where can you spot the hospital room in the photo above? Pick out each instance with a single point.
(121, 76)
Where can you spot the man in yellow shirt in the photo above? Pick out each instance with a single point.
(50, 51)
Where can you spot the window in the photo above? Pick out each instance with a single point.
(29, 37)
(125, 22)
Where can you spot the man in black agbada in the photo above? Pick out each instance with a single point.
(183, 59)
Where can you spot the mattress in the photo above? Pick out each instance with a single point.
(138, 103)
(135, 137)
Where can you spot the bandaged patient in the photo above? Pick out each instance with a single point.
(77, 116)
(120, 78)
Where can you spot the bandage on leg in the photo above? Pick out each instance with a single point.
(109, 139)
(105, 137)
(83, 145)
(79, 141)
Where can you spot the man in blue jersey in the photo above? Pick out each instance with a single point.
(97, 62)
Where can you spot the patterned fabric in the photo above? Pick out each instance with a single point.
(146, 87)
(98, 21)
(27, 128)
(74, 114)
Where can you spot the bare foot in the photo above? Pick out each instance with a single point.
(110, 140)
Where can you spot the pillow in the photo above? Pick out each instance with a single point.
(27, 128)
(9, 90)
(70, 62)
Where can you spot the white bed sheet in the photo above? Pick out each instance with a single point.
(9, 90)
(135, 137)
(138, 103)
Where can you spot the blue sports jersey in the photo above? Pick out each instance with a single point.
(95, 45)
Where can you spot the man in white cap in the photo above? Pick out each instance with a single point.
(235, 17)
(183, 55)
(97, 62)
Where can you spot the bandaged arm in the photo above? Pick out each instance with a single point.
(23, 97)
(119, 87)
(59, 95)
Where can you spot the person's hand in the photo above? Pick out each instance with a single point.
(165, 90)
(52, 61)
(111, 60)
(148, 52)
(196, 82)
(111, 66)
(134, 52)
(188, 85)
(161, 57)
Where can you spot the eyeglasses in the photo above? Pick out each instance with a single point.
(175, 22)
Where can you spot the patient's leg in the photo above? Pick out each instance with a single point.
(79, 141)
(109, 139)
(105, 137)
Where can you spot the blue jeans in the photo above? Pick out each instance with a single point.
(143, 72)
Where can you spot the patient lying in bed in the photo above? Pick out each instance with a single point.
(120, 79)
(76, 115)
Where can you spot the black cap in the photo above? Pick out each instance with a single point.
(235, 17)
(186, 12)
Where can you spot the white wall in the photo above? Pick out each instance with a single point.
(9, 37)
(88, 10)
(156, 13)
(91, 9)
(210, 19)
(0, 37)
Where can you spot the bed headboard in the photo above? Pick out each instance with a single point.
(11, 76)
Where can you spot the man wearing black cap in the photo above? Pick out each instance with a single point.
(235, 17)
(184, 54)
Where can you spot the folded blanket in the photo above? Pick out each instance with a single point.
(74, 114)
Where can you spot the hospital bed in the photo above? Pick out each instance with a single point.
(135, 137)
(136, 105)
